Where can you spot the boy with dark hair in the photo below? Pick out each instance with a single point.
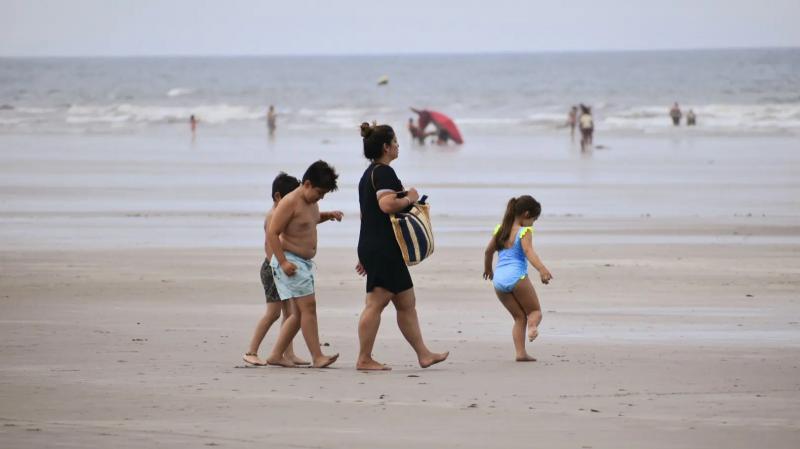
(292, 235)
(281, 186)
(322, 176)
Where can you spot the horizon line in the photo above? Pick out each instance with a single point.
(370, 54)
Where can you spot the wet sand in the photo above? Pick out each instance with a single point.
(642, 345)
(129, 289)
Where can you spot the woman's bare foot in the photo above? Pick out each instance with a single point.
(371, 365)
(433, 359)
(526, 358)
(325, 361)
(251, 358)
(296, 360)
(533, 332)
(282, 362)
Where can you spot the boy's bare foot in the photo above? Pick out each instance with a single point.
(372, 365)
(533, 332)
(526, 358)
(282, 362)
(433, 359)
(296, 360)
(325, 361)
(251, 358)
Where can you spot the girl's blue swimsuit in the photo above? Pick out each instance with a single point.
(512, 266)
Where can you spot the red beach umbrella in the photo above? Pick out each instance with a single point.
(441, 121)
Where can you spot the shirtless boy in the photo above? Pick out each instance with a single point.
(281, 186)
(292, 235)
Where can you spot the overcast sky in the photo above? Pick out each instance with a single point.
(250, 27)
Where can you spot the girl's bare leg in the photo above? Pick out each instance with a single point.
(529, 301)
(262, 327)
(405, 303)
(520, 322)
(368, 325)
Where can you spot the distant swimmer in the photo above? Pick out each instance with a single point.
(675, 113)
(572, 120)
(691, 119)
(271, 119)
(416, 133)
(193, 122)
(586, 123)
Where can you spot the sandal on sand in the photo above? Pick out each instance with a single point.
(258, 361)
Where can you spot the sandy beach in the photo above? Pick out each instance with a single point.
(129, 289)
(641, 346)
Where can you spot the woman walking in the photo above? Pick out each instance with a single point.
(381, 193)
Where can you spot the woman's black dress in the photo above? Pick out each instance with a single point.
(377, 248)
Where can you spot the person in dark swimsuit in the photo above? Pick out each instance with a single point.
(442, 136)
(380, 193)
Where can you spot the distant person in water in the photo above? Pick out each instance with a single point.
(442, 136)
(193, 122)
(271, 119)
(586, 123)
(691, 119)
(675, 113)
(572, 120)
(416, 133)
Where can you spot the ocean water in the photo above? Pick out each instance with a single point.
(98, 152)
(61, 191)
(731, 91)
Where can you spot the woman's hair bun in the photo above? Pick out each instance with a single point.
(366, 130)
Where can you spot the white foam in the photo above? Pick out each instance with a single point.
(34, 110)
(125, 112)
(11, 121)
(489, 121)
(733, 118)
(723, 117)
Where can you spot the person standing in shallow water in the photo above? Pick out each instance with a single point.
(675, 114)
(572, 120)
(691, 119)
(381, 193)
(586, 123)
(271, 117)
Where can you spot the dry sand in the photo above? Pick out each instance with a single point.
(642, 345)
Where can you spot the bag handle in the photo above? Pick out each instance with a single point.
(372, 177)
(421, 200)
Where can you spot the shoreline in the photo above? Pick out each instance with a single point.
(256, 129)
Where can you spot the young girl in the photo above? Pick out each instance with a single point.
(513, 241)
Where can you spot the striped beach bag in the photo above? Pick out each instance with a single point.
(413, 232)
